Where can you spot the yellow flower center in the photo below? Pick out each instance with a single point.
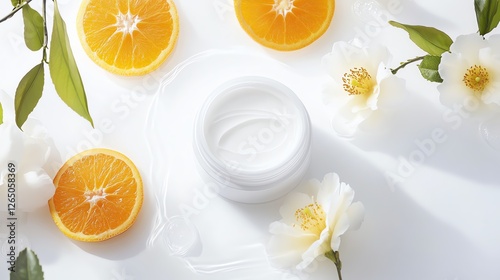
(477, 78)
(311, 218)
(358, 81)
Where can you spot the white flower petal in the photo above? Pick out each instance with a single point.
(466, 52)
(360, 103)
(318, 248)
(452, 94)
(341, 200)
(356, 215)
(357, 108)
(341, 59)
(30, 151)
(332, 94)
(392, 93)
(341, 227)
(37, 188)
(350, 115)
(469, 45)
(377, 56)
(285, 250)
(493, 95)
(346, 56)
(280, 228)
(347, 111)
(11, 147)
(310, 187)
(36, 153)
(490, 59)
(291, 246)
(355, 111)
(329, 185)
(293, 202)
(453, 67)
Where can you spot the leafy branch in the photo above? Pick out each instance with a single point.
(45, 32)
(435, 42)
(404, 64)
(431, 40)
(17, 8)
(62, 65)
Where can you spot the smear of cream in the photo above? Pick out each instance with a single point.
(255, 127)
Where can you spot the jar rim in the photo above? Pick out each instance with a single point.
(255, 179)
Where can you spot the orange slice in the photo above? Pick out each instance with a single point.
(128, 37)
(98, 195)
(285, 25)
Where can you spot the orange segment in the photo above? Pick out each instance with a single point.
(128, 37)
(98, 195)
(285, 24)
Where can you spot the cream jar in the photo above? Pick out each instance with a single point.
(252, 137)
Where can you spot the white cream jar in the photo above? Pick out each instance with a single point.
(252, 137)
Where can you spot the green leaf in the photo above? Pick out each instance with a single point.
(429, 68)
(487, 15)
(14, 2)
(496, 18)
(429, 39)
(1, 114)
(33, 28)
(28, 93)
(27, 267)
(63, 69)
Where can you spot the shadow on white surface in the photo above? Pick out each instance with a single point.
(424, 135)
(397, 233)
(113, 249)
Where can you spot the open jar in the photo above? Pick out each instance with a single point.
(252, 137)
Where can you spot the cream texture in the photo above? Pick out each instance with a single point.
(252, 128)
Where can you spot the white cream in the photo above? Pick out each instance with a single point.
(252, 136)
(253, 127)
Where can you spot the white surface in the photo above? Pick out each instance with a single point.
(440, 222)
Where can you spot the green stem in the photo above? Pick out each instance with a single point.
(45, 32)
(339, 273)
(15, 10)
(335, 258)
(403, 64)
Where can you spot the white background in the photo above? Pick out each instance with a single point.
(440, 223)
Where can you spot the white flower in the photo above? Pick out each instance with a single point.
(363, 84)
(312, 223)
(471, 71)
(33, 154)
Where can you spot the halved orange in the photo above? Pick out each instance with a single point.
(285, 25)
(98, 195)
(128, 37)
